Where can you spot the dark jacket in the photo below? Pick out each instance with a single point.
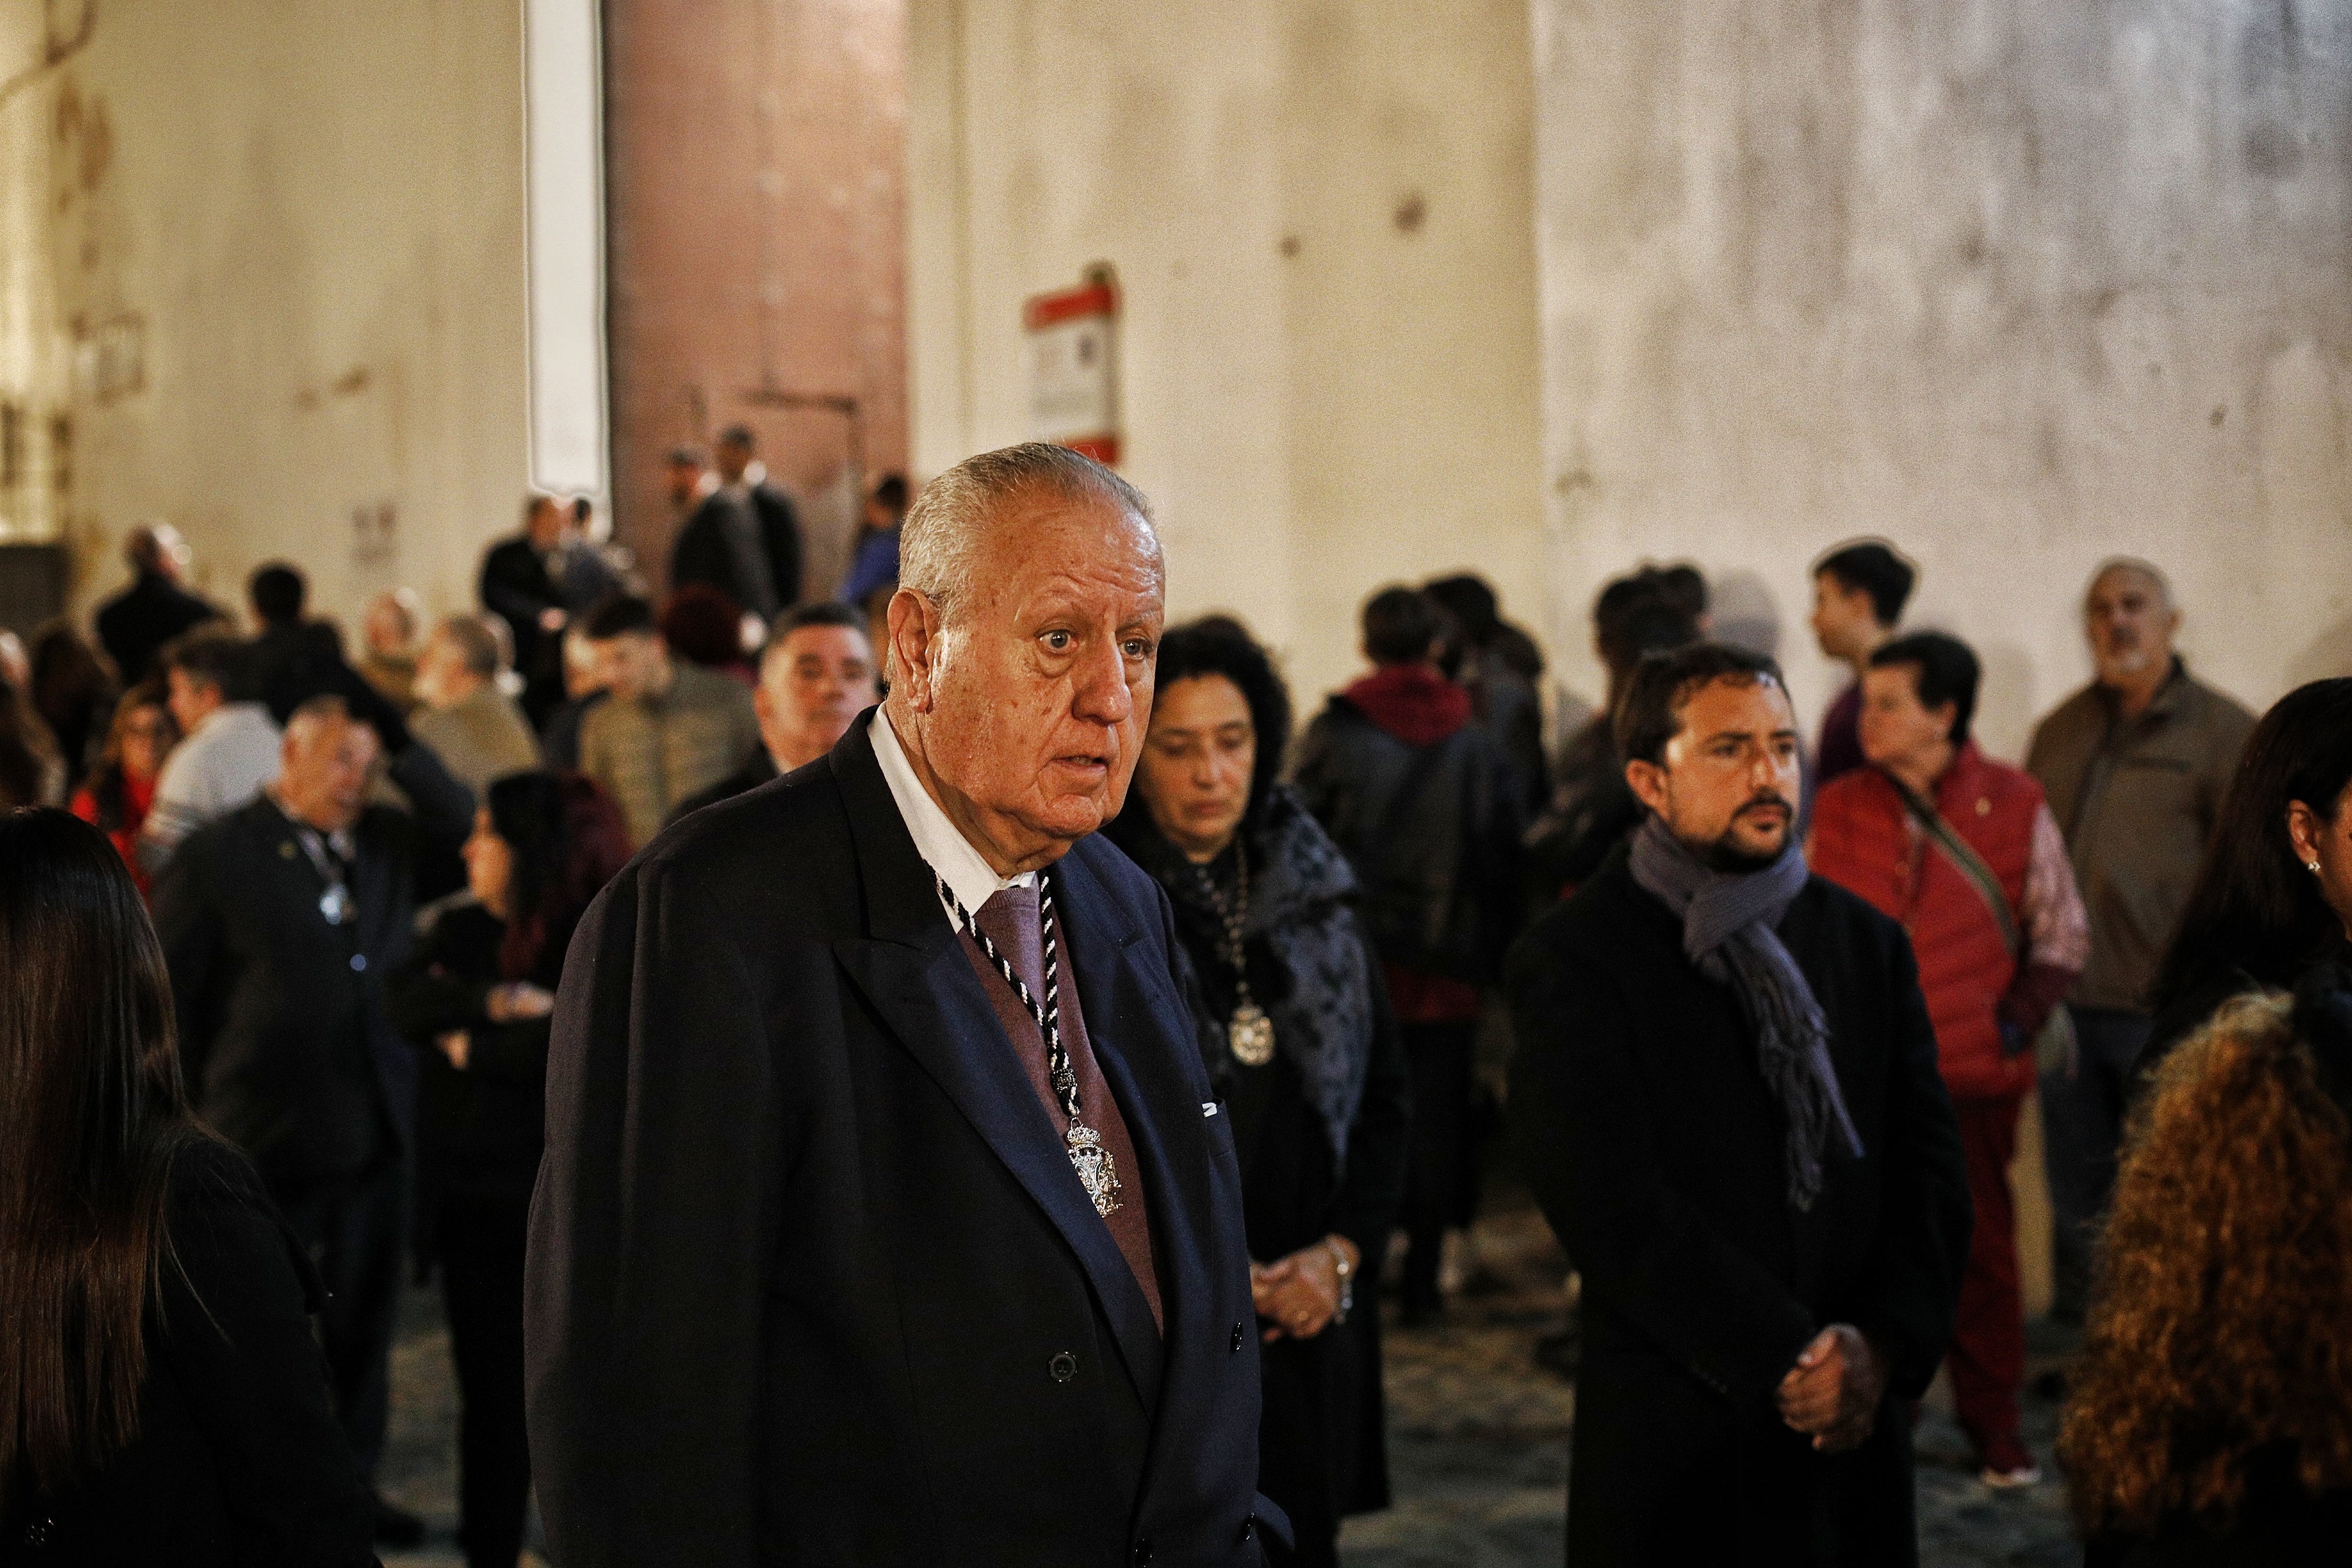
(758, 768)
(478, 1130)
(283, 1034)
(1593, 811)
(2137, 801)
(1655, 1150)
(238, 1462)
(702, 554)
(812, 1278)
(1322, 1442)
(134, 625)
(1421, 801)
(515, 586)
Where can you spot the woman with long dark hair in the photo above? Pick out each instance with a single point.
(1298, 1038)
(162, 1398)
(477, 998)
(2210, 1420)
(72, 690)
(31, 771)
(116, 797)
(2273, 896)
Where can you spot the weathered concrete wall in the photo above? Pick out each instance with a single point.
(757, 209)
(293, 231)
(2020, 285)
(1319, 213)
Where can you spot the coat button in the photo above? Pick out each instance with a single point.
(358, 963)
(1143, 1552)
(1239, 1335)
(1064, 1366)
(38, 1532)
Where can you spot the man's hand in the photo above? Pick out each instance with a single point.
(1832, 1392)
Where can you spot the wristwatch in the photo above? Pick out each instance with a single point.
(1347, 1272)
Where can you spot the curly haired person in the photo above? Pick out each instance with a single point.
(2211, 1416)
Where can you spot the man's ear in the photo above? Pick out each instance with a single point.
(914, 639)
(1648, 782)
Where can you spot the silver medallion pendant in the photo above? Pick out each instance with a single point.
(1252, 1035)
(1097, 1174)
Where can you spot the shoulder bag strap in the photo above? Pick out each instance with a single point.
(1971, 864)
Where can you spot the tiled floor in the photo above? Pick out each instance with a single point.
(1478, 1443)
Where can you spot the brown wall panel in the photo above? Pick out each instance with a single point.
(757, 189)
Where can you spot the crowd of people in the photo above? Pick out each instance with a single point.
(290, 1017)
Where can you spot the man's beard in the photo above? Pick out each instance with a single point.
(1725, 854)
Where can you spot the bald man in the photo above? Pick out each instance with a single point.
(888, 1216)
(280, 922)
(2134, 766)
(134, 625)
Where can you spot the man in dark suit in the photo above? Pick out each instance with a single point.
(847, 1247)
(296, 659)
(538, 582)
(1728, 1105)
(134, 625)
(743, 539)
(280, 923)
(816, 676)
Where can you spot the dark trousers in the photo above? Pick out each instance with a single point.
(1439, 1057)
(481, 1244)
(356, 1236)
(2081, 1125)
(1988, 1358)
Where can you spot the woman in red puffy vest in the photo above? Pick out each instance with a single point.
(1962, 851)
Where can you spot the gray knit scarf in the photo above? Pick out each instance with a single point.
(1728, 921)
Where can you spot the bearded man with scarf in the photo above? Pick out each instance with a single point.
(1727, 1104)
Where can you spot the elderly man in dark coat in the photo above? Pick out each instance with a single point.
(887, 1214)
(1729, 1109)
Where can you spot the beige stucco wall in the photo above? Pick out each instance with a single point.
(2021, 285)
(1318, 397)
(311, 216)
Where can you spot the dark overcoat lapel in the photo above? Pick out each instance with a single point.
(914, 972)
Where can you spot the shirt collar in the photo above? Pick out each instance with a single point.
(936, 838)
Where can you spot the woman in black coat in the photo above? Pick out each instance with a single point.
(2272, 901)
(477, 998)
(1299, 1038)
(161, 1396)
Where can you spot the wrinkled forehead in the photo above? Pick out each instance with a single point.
(1041, 534)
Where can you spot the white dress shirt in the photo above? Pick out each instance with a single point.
(936, 838)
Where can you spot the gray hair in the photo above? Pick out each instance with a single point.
(940, 539)
(479, 643)
(2134, 564)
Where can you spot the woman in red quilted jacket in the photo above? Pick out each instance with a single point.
(1962, 851)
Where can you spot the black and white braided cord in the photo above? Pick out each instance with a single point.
(1049, 1015)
